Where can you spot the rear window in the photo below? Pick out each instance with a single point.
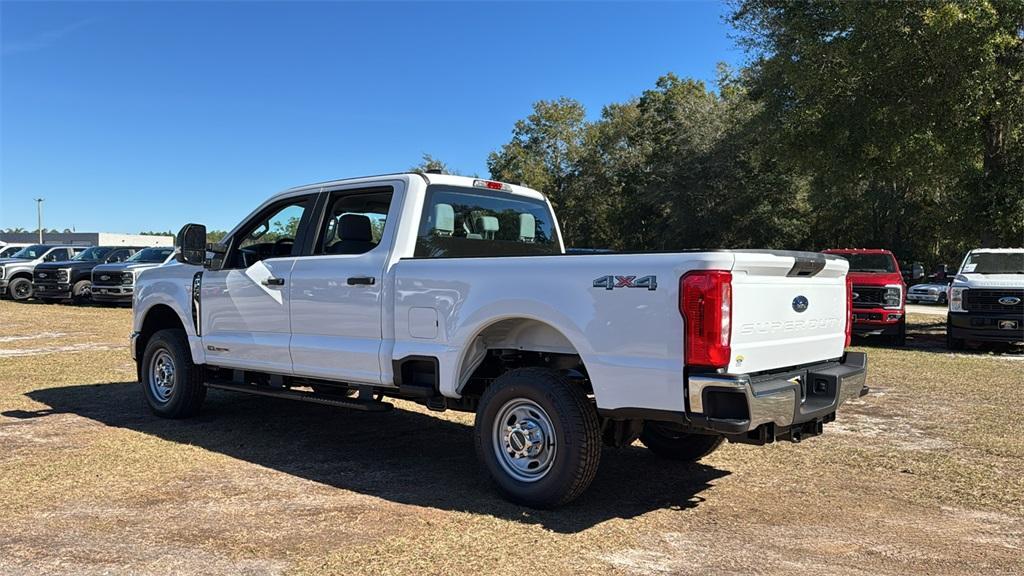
(461, 222)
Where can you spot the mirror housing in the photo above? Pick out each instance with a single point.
(191, 244)
(918, 271)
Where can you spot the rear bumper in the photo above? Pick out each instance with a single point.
(788, 405)
(985, 327)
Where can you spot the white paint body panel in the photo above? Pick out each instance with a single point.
(630, 339)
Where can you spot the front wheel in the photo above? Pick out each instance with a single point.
(900, 338)
(20, 289)
(672, 444)
(81, 292)
(538, 435)
(172, 384)
(951, 342)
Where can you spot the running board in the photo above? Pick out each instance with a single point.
(341, 402)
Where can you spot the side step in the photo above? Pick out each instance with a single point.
(339, 401)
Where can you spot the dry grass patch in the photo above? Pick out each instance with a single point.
(921, 476)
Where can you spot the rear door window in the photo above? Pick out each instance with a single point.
(462, 222)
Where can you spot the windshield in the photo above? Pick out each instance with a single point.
(994, 263)
(151, 255)
(8, 251)
(31, 252)
(94, 254)
(881, 263)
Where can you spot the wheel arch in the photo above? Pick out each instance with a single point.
(157, 317)
(513, 333)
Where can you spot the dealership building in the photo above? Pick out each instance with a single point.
(86, 239)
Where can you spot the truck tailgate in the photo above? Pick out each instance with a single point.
(788, 310)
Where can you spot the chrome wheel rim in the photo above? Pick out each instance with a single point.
(161, 376)
(524, 441)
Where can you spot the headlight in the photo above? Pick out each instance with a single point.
(893, 297)
(63, 274)
(933, 290)
(956, 299)
(127, 278)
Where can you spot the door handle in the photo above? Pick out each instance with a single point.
(361, 280)
(271, 281)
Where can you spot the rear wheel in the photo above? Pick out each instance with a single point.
(666, 442)
(538, 435)
(172, 384)
(20, 289)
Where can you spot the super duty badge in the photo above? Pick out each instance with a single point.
(613, 282)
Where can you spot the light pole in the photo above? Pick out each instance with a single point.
(39, 217)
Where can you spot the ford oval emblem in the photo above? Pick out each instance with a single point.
(42, 274)
(1009, 300)
(104, 277)
(800, 303)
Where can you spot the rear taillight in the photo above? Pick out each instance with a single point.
(849, 312)
(705, 301)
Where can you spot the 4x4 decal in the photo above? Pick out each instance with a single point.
(613, 282)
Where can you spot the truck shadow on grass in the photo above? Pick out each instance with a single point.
(401, 456)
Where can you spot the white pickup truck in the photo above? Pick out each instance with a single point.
(458, 293)
(986, 298)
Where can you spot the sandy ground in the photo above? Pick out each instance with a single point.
(923, 475)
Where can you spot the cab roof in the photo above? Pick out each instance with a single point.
(431, 178)
(996, 250)
(857, 251)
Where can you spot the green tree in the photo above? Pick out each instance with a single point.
(544, 154)
(906, 115)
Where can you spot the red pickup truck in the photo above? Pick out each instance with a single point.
(878, 293)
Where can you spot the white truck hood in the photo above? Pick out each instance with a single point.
(989, 281)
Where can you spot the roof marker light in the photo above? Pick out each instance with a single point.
(491, 185)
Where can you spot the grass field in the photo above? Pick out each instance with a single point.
(923, 475)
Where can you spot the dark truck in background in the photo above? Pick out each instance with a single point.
(72, 279)
(115, 283)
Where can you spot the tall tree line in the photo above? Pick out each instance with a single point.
(896, 125)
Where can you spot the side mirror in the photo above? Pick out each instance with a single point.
(191, 244)
(918, 271)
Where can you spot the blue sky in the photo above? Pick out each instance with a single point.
(144, 116)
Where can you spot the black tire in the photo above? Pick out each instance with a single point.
(186, 394)
(900, 338)
(81, 292)
(574, 428)
(675, 445)
(953, 343)
(20, 289)
(942, 299)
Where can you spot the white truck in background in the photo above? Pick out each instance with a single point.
(457, 293)
(986, 298)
